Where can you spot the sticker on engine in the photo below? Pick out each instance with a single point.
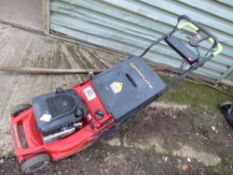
(90, 94)
(116, 87)
(46, 117)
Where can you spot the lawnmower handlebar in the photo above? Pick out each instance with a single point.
(216, 46)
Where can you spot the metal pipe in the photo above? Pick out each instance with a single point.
(57, 135)
(48, 70)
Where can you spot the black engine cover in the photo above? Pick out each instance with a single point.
(58, 109)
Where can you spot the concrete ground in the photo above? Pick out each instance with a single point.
(27, 13)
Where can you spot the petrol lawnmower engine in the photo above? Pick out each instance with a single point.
(123, 90)
(58, 114)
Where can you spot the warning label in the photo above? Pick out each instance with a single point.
(116, 87)
(46, 117)
(90, 94)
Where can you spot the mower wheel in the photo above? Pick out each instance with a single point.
(35, 163)
(15, 111)
(224, 104)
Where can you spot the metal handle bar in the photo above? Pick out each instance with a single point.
(216, 46)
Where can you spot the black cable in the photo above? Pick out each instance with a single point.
(160, 39)
(152, 44)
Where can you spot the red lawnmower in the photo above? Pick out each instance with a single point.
(64, 122)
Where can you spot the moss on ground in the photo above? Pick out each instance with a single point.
(199, 96)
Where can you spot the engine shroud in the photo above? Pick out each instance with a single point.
(57, 111)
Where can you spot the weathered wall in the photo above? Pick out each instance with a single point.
(130, 26)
